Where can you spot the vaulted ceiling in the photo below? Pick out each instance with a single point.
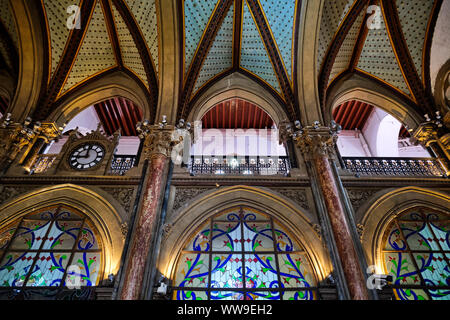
(385, 41)
(253, 37)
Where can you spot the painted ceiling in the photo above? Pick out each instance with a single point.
(387, 41)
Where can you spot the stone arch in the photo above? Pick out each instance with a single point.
(297, 221)
(377, 214)
(367, 91)
(237, 86)
(112, 85)
(102, 214)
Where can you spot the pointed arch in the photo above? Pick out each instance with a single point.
(102, 214)
(297, 221)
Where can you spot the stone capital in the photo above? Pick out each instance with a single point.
(316, 142)
(425, 134)
(160, 141)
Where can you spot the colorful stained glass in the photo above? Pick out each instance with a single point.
(251, 258)
(47, 248)
(416, 254)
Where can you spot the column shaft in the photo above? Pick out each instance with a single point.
(143, 233)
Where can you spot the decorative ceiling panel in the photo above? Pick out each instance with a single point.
(344, 56)
(254, 56)
(130, 53)
(236, 114)
(414, 16)
(220, 55)
(96, 53)
(7, 18)
(56, 12)
(146, 17)
(333, 14)
(378, 58)
(196, 16)
(280, 16)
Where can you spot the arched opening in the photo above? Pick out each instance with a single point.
(415, 252)
(368, 131)
(238, 137)
(54, 246)
(242, 253)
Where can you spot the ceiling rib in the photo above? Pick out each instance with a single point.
(275, 58)
(202, 50)
(335, 46)
(398, 42)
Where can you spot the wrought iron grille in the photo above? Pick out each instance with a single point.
(122, 163)
(394, 166)
(239, 165)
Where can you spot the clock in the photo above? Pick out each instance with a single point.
(86, 156)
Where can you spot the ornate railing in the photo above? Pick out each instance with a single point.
(122, 163)
(393, 166)
(43, 163)
(239, 165)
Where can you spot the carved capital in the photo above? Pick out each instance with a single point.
(316, 142)
(160, 141)
(425, 134)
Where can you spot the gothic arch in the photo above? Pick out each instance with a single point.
(237, 86)
(367, 91)
(112, 85)
(297, 221)
(377, 214)
(102, 214)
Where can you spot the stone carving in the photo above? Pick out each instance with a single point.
(166, 229)
(358, 197)
(297, 195)
(123, 195)
(184, 194)
(360, 230)
(10, 192)
(124, 229)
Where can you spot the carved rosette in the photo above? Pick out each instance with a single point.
(316, 142)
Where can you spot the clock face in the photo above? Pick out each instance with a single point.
(86, 156)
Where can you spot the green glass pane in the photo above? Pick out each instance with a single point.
(258, 236)
(201, 241)
(85, 268)
(260, 271)
(418, 236)
(30, 235)
(6, 234)
(62, 235)
(190, 295)
(299, 295)
(401, 268)
(226, 271)
(410, 294)
(87, 239)
(296, 271)
(434, 268)
(441, 230)
(227, 236)
(283, 241)
(394, 240)
(49, 269)
(14, 268)
(192, 271)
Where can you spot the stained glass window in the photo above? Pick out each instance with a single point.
(416, 254)
(243, 254)
(51, 247)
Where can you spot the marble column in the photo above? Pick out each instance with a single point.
(317, 145)
(157, 149)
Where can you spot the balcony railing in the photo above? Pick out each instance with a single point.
(239, 165)
(393, 166)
